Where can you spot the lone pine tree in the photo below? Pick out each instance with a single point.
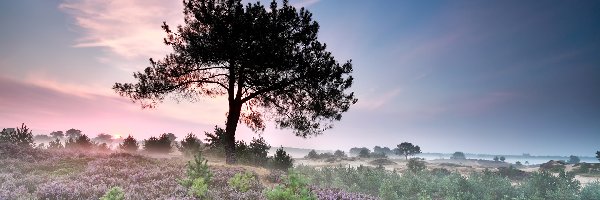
(266, 60)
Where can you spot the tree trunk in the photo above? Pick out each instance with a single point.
(231, 125)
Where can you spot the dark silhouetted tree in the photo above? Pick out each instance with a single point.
(281, 160)
(496, 158)
(73, 133)
(129, 144)
(268, 61)
(502, 158)
(57, 134)
(161, 144)
(573, 159)
(356, 150)
(458, 156)
(84, 142)
(598, 155)
(190, 145)
(20, 136)
(407, 149)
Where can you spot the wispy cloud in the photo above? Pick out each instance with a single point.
(377, 101)
(127, 28)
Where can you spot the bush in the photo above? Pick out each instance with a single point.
(364, 153)
(416, 165)
(591, 191)
(19, 136)
(312, 154)
(115, 193)
(339, 154)
(573, 159)
(242, 181)
(190, 145)
(79, 142)
(196, 170)
(458, 156)
(254, 153)
(158, 145)
(295, 187)
(281, 160)
(199, 187)
(545, 185)
(129, 144)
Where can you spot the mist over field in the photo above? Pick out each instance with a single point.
(299, 99)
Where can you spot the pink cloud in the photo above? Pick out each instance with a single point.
(127, 28)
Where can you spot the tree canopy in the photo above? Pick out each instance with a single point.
(408, 149)
(265, 60)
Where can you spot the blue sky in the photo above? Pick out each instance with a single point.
(499, 77)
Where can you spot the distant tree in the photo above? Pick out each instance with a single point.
(387, 151)
(339, 154)
(407, 149)
(573, 159)
(84, 142)
(161, 144)
(103, 138)
(458, 156)
(281, 160)
(264, 60)
(356, 150)
(190, 145)
(502, 158)
(129, 144)
(42, 138)
(55, 144)
(20, 136)
(416, 165)
(57, 134)
(518, 164)
(364, 153)
(377, 149)
(312, 154)
(496, 158)
(598, 155)
(527, 162)
(73, 133)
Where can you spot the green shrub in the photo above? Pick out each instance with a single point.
(281, 160)
(416, 164)
(196, 169)
(295, 187)
(199, 187)
(242, 181)
(115, 193)
(545, 185)
(590, 191)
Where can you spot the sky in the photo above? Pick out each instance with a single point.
(497, 77)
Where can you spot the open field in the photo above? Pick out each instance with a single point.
(27, 173)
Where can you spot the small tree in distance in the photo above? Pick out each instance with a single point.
(73, 133)
(129, 144)
(496, 158)
(573, 159)
(458, 156)
(364, 153)
(502, 158)
(339, 154)
(57, 134)
(598, 155)
(407, 149)
(190, 145)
